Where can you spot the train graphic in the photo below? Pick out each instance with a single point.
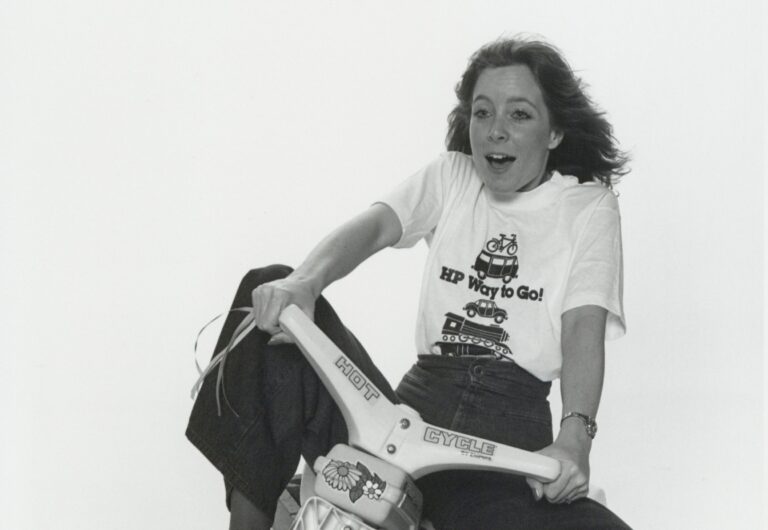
(498, 259)
(461, 336)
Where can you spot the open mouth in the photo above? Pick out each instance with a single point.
(499, 161)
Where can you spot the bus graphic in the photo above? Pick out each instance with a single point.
(495, 266)
(461, 336)
(497, 259)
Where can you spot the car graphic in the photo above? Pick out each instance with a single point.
(487, 309)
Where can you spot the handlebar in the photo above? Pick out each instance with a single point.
(396, 433)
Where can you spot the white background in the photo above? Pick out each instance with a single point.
(153, 151)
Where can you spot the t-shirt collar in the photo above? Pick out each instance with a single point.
(543, 194)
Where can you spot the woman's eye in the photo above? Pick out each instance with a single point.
(481, 113)
(520, 115)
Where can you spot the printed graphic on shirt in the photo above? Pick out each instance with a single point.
(462, 336)
(498, 259)
(495, 267)
(486, 308)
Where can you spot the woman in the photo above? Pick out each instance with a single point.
(522, 284)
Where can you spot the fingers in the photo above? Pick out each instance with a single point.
(555, 493)
(573, 481)
(580, 493)
(268, 302)
(536, 487)
(553, 490)
(280, 338)
(572, 484)
(575, 490)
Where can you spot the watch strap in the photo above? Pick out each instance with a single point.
(589, 423)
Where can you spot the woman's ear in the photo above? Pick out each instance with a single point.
(555, 137)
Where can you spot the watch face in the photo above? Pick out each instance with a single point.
(592, 429)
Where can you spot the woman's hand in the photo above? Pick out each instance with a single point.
(271, 298)
(573, 481)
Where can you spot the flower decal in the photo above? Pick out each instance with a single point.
(373, 489)
(341, 476)
(355, 478)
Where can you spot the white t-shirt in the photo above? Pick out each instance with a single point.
(499, 276)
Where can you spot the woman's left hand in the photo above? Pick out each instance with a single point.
(573, 481)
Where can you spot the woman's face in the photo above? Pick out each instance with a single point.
(509, 130)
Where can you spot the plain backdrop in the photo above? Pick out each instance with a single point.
(151, 152)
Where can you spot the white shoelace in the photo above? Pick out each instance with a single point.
(243, 329)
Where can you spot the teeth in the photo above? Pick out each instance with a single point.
(499, 158)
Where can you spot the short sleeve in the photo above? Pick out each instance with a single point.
(596, 275)
(418, 201)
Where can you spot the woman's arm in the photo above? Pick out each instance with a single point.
(581, 383)
(348, 246)
(334, 257)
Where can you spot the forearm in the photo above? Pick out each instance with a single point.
(581, 380)
(348, 246)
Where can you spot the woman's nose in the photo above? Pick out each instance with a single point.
(497, 132)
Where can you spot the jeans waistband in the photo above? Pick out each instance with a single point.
(506, 376)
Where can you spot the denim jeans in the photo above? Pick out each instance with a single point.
(499, 401)
(278, 410)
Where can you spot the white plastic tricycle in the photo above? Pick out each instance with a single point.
(369, 483)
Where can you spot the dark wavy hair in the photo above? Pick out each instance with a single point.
(588, 150)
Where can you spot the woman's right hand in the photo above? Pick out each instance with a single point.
(271, 298)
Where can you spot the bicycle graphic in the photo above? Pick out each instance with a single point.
(503, 244)
(497, 259)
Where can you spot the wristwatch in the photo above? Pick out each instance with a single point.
(589, 423)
